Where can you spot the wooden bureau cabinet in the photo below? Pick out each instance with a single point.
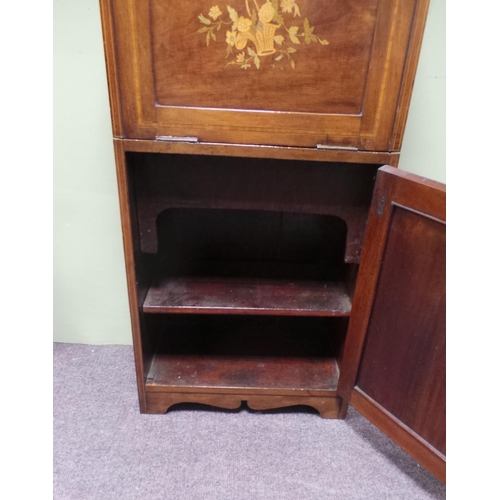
(270, 257)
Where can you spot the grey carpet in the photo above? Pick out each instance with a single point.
(105, 449)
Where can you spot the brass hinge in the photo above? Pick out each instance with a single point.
(173, 138)
(342, 148)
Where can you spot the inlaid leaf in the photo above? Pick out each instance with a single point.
(251, 52)
(278, 39)
(256, 61)
(203, 19)
(291, 50)
(233, 15)
(214, 38)
(208, 38)
(307, 27)
(275, 5)
(292, 63)
(292, 32)
(279, 58)
(296, 10)
(203, 30)
(278, 18)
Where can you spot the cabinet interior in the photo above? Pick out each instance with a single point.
(245, 268)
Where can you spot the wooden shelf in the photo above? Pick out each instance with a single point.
(220, 353)
(248, 296)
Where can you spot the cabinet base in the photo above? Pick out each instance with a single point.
(160, 402)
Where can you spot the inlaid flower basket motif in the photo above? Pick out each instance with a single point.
(269, 30)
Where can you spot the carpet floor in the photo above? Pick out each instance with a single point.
(105, 449)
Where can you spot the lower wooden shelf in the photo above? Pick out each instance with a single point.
(283, 375)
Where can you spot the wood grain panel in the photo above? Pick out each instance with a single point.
(403, 366)
(316, 84)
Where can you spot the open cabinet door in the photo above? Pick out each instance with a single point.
(396, 343)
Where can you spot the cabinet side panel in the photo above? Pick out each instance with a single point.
(111, 68)
(128, 222)
(403, 362)
(409, 74)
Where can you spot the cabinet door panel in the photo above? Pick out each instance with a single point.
(397, 340)
(275, 72)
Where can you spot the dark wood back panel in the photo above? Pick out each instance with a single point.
(192, 181)
(198, 241)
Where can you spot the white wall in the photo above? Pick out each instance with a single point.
(90, 301)
(424, 144)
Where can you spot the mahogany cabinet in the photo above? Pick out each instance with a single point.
(271, 257)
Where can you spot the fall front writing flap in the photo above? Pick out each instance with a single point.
(276, 72)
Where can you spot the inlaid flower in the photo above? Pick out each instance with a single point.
(244, 24)
(265, 36)
(266, 13)
(231, 38)
(215, 12)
